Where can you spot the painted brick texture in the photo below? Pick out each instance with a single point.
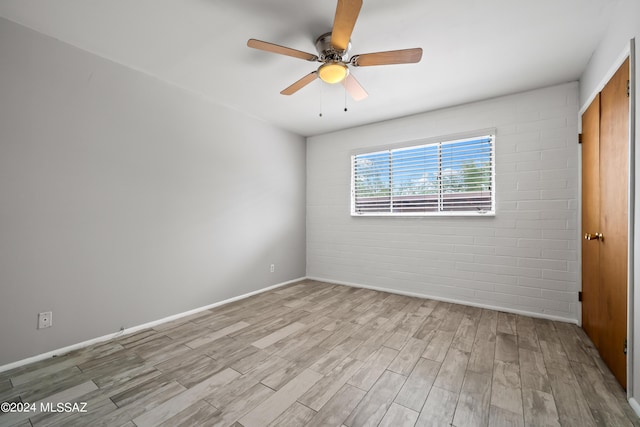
(523, 259)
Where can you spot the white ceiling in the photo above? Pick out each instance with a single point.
(473, 49)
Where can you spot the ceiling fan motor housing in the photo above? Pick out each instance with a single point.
(327, 53)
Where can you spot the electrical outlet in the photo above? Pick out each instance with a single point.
(45, 320)
(273, 268)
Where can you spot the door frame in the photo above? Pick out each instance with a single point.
(628, 52)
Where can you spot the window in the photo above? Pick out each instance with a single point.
(440, 178)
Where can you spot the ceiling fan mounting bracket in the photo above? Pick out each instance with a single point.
(327, 53)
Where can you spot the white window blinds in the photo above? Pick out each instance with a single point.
(446, 177)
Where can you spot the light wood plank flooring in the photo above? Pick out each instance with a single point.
(318, 354)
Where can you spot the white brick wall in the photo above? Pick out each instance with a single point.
(523, 259)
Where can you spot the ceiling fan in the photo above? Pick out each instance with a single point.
(333, 52)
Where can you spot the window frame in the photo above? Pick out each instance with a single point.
(485, 133)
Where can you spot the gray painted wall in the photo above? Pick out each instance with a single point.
(625, 25)
(124, 200)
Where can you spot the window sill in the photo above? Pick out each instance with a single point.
(427, 215)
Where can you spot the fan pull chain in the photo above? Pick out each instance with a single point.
(321, 92)
(345, 99)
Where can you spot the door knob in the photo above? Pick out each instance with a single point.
(596, 236)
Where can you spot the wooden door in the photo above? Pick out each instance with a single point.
(605, 212)
(614, 209)
(591, 321)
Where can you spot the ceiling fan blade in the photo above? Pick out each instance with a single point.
(275, 48)
(354, 88)
(300, 83)
(346, 16)
(404, 56)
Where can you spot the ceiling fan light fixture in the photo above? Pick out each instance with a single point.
(333, 72)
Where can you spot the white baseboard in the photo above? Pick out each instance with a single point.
(451, 300)
(137, 328)
(634, 405)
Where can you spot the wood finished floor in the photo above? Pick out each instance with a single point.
(318, 354)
